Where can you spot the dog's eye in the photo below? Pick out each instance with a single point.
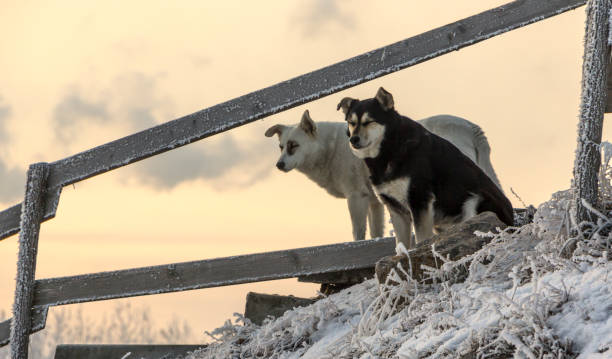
(281, 147)
(291, 146)
(351, 123)
(366, 123)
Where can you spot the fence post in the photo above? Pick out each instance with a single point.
(592, 106)
(31, 215)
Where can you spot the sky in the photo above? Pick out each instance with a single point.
(77, 74)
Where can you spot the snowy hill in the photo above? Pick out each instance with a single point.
(521, 299)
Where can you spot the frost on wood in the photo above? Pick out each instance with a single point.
(610, 27)
(521, 299)
(31, 215)
(592, 106)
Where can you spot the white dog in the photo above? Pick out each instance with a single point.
(322, 152)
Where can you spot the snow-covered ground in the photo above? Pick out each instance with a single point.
(521, 299)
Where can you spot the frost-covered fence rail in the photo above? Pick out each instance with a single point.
(31, 216)
(287, 94)
(206, 274)
(592, 106)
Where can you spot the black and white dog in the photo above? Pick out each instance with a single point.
(420, 177)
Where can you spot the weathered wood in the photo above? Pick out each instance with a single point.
(39, 319)
(212, 272)
(31, 215)
(456, 242)
(9, 218)
(342, 277)
(295, 92)
(592, 106)
(87, 351)
(609, 89)
(259, 306)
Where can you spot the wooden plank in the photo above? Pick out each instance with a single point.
(298, 91)
(259, 306)
(208, 273)
(342, 277)
(39, 319)
(592, 108)
(609, 90)
(87, 351)
(212, 272)
(32, 212)
(9, 218)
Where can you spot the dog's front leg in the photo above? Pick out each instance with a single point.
(358, 209)
(423, 222)
(376, 219)
(402, 226)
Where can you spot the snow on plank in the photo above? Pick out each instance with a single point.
(212, 272)
(294, 92)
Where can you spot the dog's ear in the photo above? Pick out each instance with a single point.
(275, 130)
(385, 99)
(345, 104)
(308, 125)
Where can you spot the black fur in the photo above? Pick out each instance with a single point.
(434, 165)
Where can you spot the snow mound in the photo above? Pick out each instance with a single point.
(524, 297)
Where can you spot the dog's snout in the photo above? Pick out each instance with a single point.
(354, 140)
(280, 165)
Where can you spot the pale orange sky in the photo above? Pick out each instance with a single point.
(79, 74)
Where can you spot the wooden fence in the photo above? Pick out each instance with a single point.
(45, 181)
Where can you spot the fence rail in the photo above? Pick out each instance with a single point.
(223, 117)
(207, 274)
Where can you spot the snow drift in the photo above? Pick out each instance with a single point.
(524, 297)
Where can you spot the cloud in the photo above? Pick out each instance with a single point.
(72, 112)
(12, 180)
(316, 17)
(12, 185)
(5, 112)
(214, 161)
(133, 103)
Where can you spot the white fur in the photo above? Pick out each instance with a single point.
(402, 225)
(396, 189)
(469, 207)
(424, 229)
(328, 160)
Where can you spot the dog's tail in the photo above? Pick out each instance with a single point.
(483, 153)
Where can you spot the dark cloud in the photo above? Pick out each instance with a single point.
(133, 103)
(213, 161)
(12, 180)
(74, 111)
(12, 183)
(316, 17)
